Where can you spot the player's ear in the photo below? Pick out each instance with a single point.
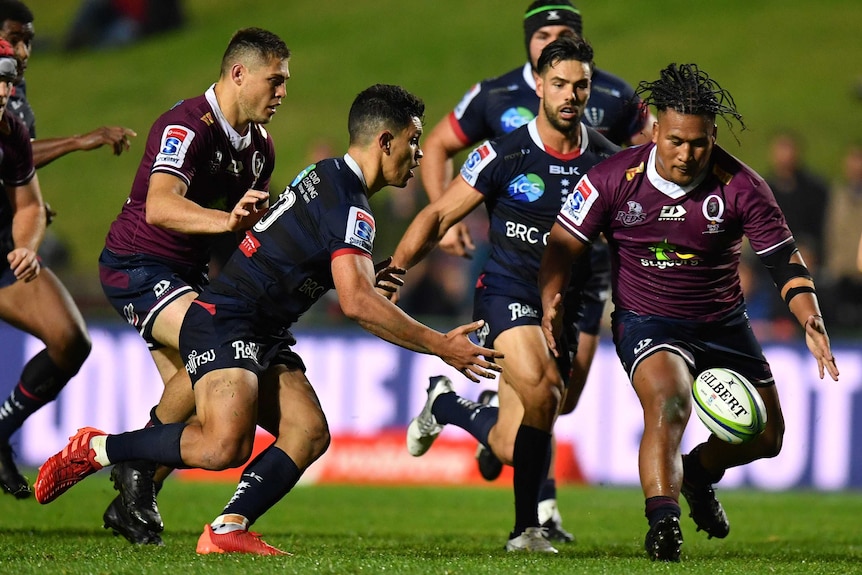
(385, 141)
(237, 72)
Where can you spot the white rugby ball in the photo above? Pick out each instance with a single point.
(728, 404)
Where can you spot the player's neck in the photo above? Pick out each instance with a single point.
(562, 142)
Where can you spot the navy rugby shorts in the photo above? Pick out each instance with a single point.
(140, 286)
(223, 333)
(503, 312)
(726, 343)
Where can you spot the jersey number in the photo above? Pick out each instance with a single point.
(285, 201)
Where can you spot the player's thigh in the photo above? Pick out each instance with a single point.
(662, 382)
(528, 365)
(166, 327)
(226, 401)
(43, 308)
(168, 362)
(288, 400)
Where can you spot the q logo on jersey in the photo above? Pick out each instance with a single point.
(175, 143)
(360, 229)
(526, 188)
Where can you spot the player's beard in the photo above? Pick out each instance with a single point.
(569, 128)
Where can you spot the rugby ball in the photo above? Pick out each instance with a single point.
(728, 405)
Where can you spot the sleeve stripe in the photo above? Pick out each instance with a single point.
(569, 227)
(172, 172)
(773, 247)
(349, 251)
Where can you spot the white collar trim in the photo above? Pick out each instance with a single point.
(239, 142)
(668, 188)
(351, 163)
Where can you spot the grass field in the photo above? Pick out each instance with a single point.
(788, 63)
(428, 531)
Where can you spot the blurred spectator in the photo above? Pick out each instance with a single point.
(844, 223)
(112, 23)
(767, 312)
(802, 195)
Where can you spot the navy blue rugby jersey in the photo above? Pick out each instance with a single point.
(282, 266)
(501, 105)
(525, 184)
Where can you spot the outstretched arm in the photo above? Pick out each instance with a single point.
(28, 228)
(47, 150)
(353, 275)
(433, 221)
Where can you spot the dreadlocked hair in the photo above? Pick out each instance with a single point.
(689, 90)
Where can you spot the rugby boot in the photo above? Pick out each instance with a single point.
(65, 469)
(11, 479)
(239, 541)
(705, 509)
(663, 541)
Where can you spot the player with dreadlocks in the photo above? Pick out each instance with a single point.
(674, 213)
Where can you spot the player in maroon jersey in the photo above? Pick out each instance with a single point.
(31, 297)
(205, 171)
(674, 213)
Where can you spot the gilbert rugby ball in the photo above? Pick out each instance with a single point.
(728, 405)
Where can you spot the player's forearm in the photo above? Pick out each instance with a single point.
(46, 151)
(380, 317)
(420, 238)
(28, 226)
(554, 271)
(185, 216)
(436, 172)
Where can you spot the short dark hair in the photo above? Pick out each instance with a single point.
(15, 10)
(253, 42)
(689, 90)
(563, 49)
(381, 107)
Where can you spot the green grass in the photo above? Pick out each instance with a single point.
(350, 529)
(791, 63)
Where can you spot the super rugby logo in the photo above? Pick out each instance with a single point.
(360, 229)
(476, 162)
(579, 201)
(526, 188)
(175, 143)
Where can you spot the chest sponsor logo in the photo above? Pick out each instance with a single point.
(514, 118)
(526, 188)
(360, 229)
(672, 214)
(174, 145)
(667, 255)
(311, 288)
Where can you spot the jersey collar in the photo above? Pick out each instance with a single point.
(528, 76)
(351, 163)
(239, 142)
(667, 187)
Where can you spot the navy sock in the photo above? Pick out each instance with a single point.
(548, 489)
(160, 443)
(659, 507)
(530, 462)
(41, 381)
(265, 480)
(475, 418)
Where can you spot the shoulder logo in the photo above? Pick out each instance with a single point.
(360, 229)
(175, 143)
(208, 119)
(632, 172)
(476, 162)
(723, 176)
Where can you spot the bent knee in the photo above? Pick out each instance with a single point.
(226, 453)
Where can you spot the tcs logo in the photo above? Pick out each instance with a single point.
(526, 188)
(514, 118)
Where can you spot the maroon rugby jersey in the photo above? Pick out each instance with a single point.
(16, 169)
(193, 142)
(675, 252)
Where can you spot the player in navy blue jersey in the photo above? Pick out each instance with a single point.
(31, 297)
(498, 106)
(235, 337)
(205, 171)
(16, 26)
(674, 214)
(522, 178)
